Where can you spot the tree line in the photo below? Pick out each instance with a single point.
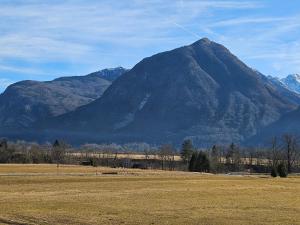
(279, 159)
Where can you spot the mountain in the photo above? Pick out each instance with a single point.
(25, 102)
(289, 123)
(201, 91)
(282, 88)
(292, 82)
(110, 74)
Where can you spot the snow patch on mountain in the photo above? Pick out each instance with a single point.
(292, 81)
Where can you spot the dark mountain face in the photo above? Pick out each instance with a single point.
(28, 101)
(200, 91)
(289, 123)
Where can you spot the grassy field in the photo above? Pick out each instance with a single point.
(36, 194)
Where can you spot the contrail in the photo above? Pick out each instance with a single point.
(186, 30)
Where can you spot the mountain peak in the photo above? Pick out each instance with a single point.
(110, 74)
(293, 77)
(204, 40)
(211, 46)
(292, 82)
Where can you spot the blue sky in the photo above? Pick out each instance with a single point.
(45, 39)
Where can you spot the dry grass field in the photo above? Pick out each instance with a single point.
(36, 194)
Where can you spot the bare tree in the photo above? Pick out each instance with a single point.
(290, 148)
(233, 157)
(147, 156)
(166, 154)
(214, 159)
(275, 152)
(58, 152)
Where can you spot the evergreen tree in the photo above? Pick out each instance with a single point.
(5, 152)
(192, 162)
(206, 163)
(202, 163)
(214, 159)
(282, 170)
(274, 172)
(187, 150)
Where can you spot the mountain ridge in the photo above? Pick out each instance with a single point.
(291, 82)
(200, 91)
(25, 102)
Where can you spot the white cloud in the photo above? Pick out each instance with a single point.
(242, 21)
(39, 48)
(97, 32)
(70, 30)
(23, 70)
(4, 83)
(271, 43)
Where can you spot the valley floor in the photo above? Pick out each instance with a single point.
(41, 194)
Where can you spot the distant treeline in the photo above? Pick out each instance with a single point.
(280, 158)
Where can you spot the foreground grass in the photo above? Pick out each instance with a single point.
(35, 194)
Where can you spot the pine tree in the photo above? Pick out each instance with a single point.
(187, 150)
(192, 162)
(214, 159)
(202, 163)
(205, 163)
(274, 172)
(282, 170)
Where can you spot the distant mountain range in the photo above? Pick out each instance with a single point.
(25, 102)
(292, 82)
(200, 91)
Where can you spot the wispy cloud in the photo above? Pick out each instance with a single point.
(91, 33)
(243, 21)
(4, 83)
(271, 44)
(86, 35)
(23, 70)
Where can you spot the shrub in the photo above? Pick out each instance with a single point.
(282, 170)
(274, 172)
(202, 163)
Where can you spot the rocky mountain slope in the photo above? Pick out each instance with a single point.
(25, 102)
(289, 123)
(200, 91)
